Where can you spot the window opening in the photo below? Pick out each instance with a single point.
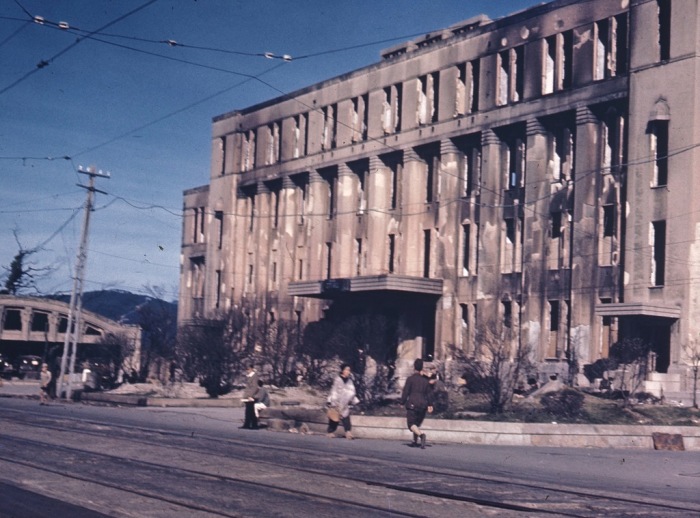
(510, 76)
(556, 225)
(466, 248)
(561, 153)
(219, 217)
(428, 88)
(358, 256)
(664, 13)
(608, 220)
(392, 252)
(426, 253)
(467, 88)
(40, 322)
(248, 150)
(507, 314)
(391, 109)
(659, 151)
(658, 265)
(329, 259)
(510, 230)
(222, 153)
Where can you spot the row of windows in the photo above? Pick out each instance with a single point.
(560, 152)
(469, 258)
(557, 61)
(610, 59)
(509, 310)
(38, 322)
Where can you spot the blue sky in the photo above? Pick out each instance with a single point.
(126, 101)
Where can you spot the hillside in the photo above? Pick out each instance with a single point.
(117, 305)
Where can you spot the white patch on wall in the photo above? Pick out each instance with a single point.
(584, 38)
(580, 340)
(446, 301)
(533, 336)
(694, 293)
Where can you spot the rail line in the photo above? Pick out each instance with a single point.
(146, 451)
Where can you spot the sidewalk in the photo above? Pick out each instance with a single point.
(19, 388)
(282, 417)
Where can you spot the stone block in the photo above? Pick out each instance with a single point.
(668, 441)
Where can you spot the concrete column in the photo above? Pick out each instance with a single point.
(347, 195)
(584, 237)
(413, 185)
(287, 229)
(261, 255)
(313, 265)
(448, 247)
(54, 319)
(534, 328)
(26, 317)
(490, 228)
(379, 187)
(240, 236)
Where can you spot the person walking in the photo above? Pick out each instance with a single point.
(45, 380)
(417, 398)
(342, 396)
(250, 394)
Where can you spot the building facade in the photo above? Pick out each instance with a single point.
(532, 173)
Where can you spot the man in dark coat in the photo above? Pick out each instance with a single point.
(417, 398)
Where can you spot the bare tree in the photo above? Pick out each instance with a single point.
(279, 348)
(497, 365)
(158, 321)
(692, 353)
(211, 351)
(368, 342)
(315, 353)
(632, 355)
(365, 341)
(114, 352)
(22, 274)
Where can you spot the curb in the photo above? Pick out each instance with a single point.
(125, 399)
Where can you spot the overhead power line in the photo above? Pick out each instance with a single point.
(46, 62)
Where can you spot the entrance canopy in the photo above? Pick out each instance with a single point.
(637, 309)
(332, 288)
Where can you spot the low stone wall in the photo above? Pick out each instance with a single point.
(486, 432)
(127, 399)
(306, 419)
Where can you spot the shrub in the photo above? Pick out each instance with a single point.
(599, 367)
(567, 403)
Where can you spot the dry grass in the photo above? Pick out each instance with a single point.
(595, 410)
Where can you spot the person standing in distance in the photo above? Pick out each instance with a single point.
(250, 394)
(45, 379)
(417, 398)
(262, 400)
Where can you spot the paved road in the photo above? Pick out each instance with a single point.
(124, 461)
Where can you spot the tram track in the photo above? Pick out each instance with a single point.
(383, 485)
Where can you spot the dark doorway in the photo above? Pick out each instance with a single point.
(656, 331)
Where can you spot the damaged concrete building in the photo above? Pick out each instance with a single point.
(532, 172)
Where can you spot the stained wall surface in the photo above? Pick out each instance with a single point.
(528, 178)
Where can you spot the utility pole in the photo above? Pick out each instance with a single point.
(70, 344)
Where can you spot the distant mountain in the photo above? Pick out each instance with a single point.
(117, 305)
